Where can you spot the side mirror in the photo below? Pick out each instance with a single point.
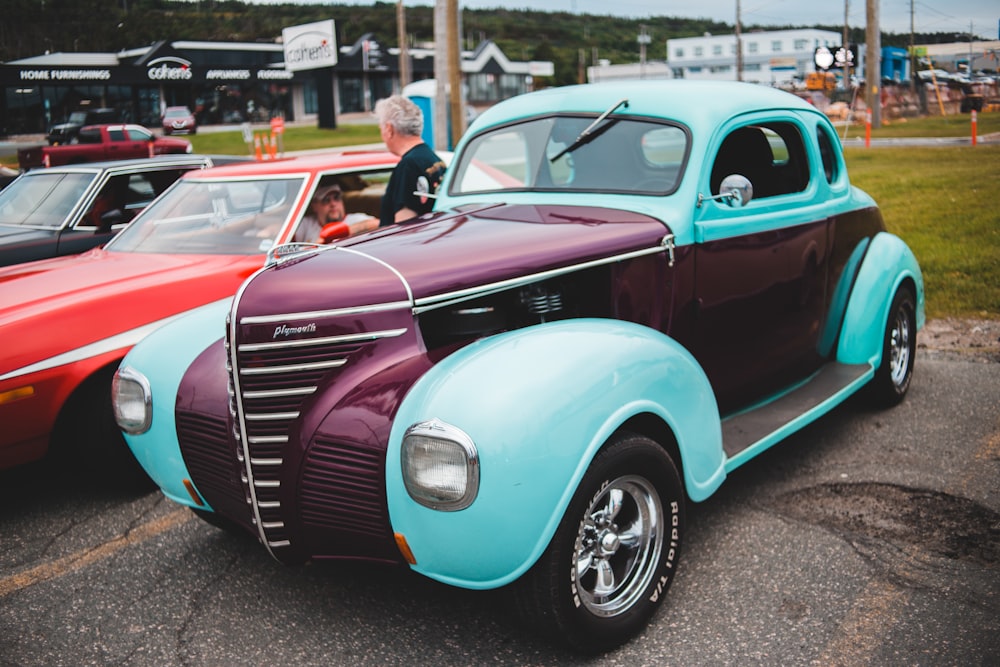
(735, 190)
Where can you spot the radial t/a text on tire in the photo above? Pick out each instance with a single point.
(615, 552)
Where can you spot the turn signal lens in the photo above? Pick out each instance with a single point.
(16, 394)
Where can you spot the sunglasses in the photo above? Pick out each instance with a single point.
(331, 197)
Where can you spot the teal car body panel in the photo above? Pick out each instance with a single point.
(888, 263)
(164, 356)
(531, 460)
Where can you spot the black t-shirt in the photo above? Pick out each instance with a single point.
(420, 169)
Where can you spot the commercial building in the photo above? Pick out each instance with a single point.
(776, 58)
(231, 82)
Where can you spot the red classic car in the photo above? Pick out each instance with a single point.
(66, 323)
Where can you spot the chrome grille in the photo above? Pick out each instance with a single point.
(269, 384)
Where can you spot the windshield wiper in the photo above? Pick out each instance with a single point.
(585, 136)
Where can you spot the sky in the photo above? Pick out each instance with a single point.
(928, 15)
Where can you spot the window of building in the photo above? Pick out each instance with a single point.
(801, 44)
(752, 47)
(678, 53)
(698, 51)
(717, 50)
(776, 46)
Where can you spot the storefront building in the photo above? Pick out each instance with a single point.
(227, 82)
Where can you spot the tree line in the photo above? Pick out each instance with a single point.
(569, 40)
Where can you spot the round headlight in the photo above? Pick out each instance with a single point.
(132, 400)
(440, 466)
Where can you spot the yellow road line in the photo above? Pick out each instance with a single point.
(82, 559)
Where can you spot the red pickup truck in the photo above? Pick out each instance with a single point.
(102, 142)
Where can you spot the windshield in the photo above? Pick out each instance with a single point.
(618, 154)
(42, 200)
(213, 218)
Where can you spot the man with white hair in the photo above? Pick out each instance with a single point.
(419, 170)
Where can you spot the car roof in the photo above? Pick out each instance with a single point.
(701, 105)
(152, 162)
(297, 165)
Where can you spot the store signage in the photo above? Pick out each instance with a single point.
(310, 46)
(823, 58)
(227, 74)
(275, 75)
(845, 56)
(169, 68)
(65, 74)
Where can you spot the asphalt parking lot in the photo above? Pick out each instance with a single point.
(869, 538)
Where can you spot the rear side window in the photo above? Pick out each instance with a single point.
(89, 137)
(771, 155)
(827, 154)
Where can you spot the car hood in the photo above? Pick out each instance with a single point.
(452, 253)
(52, 306)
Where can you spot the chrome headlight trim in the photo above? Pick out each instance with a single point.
(440, 466)
(132, 399)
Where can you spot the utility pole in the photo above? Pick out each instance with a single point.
(643, 40)
(739, 45)
(440, 75)
(404, 48)
(873, 63)
(913, 56)
(455, 72)
(847, 48)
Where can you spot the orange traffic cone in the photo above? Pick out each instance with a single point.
(256, 147)
(273, 148)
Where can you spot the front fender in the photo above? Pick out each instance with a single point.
(887, 264)
(539, 403)
(163, 358)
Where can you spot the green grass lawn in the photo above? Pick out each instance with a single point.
(955, 125)
(295, 139)
(942, 202)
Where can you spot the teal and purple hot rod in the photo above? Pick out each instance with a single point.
(624, 292)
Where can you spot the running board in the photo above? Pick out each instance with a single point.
(746, 434)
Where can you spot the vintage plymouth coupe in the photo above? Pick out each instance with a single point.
(66, 322)
(624, 292)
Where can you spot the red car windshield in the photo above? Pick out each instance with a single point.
(213, 218)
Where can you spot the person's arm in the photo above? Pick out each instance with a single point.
(405, 214)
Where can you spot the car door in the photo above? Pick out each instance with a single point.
(760, 268)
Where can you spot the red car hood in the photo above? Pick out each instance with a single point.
(50, 307)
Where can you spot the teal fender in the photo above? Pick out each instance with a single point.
(163, 357)
(539, 403)
(888, 263)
